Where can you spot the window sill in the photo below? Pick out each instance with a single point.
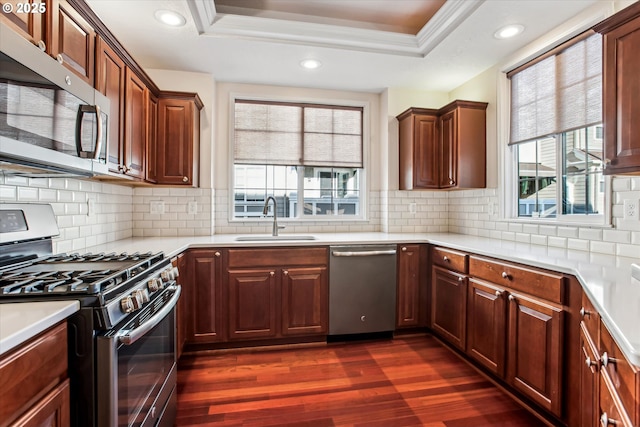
(268, 221)
(556, 222)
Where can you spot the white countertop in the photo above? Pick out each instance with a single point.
(22, 321)
(606, 279)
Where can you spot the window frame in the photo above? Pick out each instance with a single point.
(301, 217)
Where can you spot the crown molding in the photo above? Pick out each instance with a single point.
(449, 16)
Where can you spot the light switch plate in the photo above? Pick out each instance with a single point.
(192, 207)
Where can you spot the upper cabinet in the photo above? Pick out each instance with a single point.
(31, 26)
(445, 148)
(621, 91)
(178, 139)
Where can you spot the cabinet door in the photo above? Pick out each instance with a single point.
(534, 358)
(52, 411)
(621, 97)
(305, 301)
(205, 268)
(31, 26)
(589, 378)
(110, 81)
(72, 40)
(135, 138)
(252, 303)
(426, 154)
(486, 321)
(449, 306)
(408, 287)
(449, 150)
(178, 134)
(152, 139)
(184, 319)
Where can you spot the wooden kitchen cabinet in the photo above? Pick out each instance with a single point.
(449, 306)
(110, 81)
(621, 91)
(203, 297)
(178, 139)
(443, 148)
(410, 293)
(72, 40)
(34, 388)
(135, 126)
(31, 26)
(276, 293)
(152, 139)
(589, 380)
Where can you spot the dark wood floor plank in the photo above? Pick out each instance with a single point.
(410, 381)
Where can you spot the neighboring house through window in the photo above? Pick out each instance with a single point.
(556, 133)
(309, 157)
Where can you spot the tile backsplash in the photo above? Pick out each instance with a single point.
(94, 212)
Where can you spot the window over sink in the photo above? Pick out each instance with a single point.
(308, 156)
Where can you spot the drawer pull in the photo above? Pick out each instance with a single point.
(512, 298)
(272, 273)
(404, 249)
(605, 359)
(460, 279)
(606, 421)
(499, 294)
(505, 275)
(590, 362)
(584, 313)
(445, 258)
(285, 272)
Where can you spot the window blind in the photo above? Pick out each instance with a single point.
(297, 134)
(559, 93)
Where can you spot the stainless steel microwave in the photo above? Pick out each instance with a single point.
(50, 119)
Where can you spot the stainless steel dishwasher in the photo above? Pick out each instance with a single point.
(362, 289)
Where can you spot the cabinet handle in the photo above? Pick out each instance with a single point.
(285, 272)
(60, 59)
(499, 294)
(505, 275)
(272, 273)
(512, 298)
(590, 362)
(605, 359)
(460, 279)
(217, 254)
(404, 249)
(606, 421)
(452, 182)
(42, 45)
(445, 259)
(185, 179)
(584, 313)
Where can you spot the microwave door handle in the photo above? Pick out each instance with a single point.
(131, 336)
(94, 109)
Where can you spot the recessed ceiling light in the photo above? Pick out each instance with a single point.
(508, 31)
(170, 17)
(310, 64)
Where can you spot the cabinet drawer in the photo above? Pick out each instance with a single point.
(532, 281)
(30, 372)
(610, 412)
(450, 259)
(590, 317)
(273, 257)
(624, 378)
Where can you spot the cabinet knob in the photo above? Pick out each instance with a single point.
(285, 272)
(590, 362)
(67, 80)
(584, 313)
(445, 259)
(42, 45)
(452, 182)
(185, 179)
(272, 273)
(512, 298)
(217, 254)
(499, 294)
(605, 359)
(606, 421)
(404, 249)
(460, 279)
(505, 275)
(60, 59)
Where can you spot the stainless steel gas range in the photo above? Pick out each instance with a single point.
(122, 343)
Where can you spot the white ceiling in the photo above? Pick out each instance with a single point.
(358, 52)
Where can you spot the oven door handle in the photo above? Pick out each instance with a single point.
(131, 336)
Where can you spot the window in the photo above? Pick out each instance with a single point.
(309, 157)
(556, 133)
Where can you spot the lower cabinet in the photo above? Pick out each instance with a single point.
(34, 388)
(411, 306)
(449, 306)
(277, 293)
(589, 380)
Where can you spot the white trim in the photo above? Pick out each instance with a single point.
(364, 176)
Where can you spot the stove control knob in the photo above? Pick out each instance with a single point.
(175, 272)
(166, 275)
(139, 297)
(126, 304)
(154, 285)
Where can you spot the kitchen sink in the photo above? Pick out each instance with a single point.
(264, 237)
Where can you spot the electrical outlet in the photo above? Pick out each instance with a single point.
(630, 209)
(192, 207)
(156, 207)
(91, 207)
(412, 208)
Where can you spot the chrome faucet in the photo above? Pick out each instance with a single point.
(265, 211)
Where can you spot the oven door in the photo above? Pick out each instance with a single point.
(136, 367)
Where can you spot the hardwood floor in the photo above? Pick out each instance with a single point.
(410, 381)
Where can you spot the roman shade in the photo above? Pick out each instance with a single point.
(558, 93)
(276, 133)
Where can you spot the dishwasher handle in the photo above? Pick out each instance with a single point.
(363, 253)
